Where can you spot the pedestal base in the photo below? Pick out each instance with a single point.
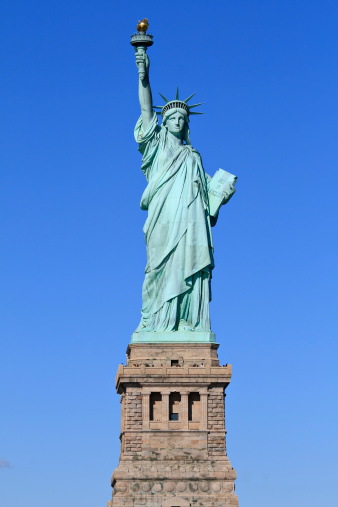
(174, 337)
(173, 451)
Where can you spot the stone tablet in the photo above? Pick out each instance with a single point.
(220, 190)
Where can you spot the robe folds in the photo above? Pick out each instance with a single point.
(176, 289)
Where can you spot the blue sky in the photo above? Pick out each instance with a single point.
(73, 253)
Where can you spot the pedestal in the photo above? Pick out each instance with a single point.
(173, 450)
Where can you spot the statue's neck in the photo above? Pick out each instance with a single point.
(175, 138)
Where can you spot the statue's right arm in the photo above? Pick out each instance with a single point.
(144, 90)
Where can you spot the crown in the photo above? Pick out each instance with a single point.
(177, 103)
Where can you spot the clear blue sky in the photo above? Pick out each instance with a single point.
(73, 253)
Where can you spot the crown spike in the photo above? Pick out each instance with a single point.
(192, 112)
(176, 103)
(163, 97)
(195, 105)
(187, 100)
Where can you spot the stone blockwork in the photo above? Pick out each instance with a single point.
(173, 451)
(216, 415)
(133, 415)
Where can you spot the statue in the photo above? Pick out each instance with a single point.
(179, 197)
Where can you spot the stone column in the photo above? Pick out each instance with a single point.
(165, 411)
(204, 411)
(145, 411)
(184, 410)
(122, 401)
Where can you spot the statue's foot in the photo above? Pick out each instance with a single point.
(184, 326)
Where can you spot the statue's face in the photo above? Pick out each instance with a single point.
(176, 123)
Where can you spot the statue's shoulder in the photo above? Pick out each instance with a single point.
(196, 154)
(144, 135)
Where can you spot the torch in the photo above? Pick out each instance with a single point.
(141, 41)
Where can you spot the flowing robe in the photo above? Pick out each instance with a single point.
(176, 289)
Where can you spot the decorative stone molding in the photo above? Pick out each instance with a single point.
(169, 486)
(146, 486)
(204, 486)
(193, 486)
(181, 486)
(165, 486)
(216, 487)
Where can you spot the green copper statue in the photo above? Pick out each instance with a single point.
(178, 198)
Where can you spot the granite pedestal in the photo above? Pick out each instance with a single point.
(173, 449)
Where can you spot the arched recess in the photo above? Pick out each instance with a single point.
(175, 501)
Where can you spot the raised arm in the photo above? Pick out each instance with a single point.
(144, 90)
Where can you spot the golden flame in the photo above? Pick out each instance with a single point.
(143, 25)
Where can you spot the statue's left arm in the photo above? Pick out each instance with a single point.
(227, 197)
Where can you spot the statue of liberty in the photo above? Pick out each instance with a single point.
(176, 290)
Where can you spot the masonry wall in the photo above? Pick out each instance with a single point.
(216, 415)
(133, 415)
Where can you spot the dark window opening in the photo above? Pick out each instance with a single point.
(174, 406)
(194, 407)
(155, 407)
(174, 362)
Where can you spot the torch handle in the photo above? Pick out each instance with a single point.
(141, 66)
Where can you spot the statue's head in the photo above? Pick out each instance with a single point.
(176, 121)
(175, 115)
